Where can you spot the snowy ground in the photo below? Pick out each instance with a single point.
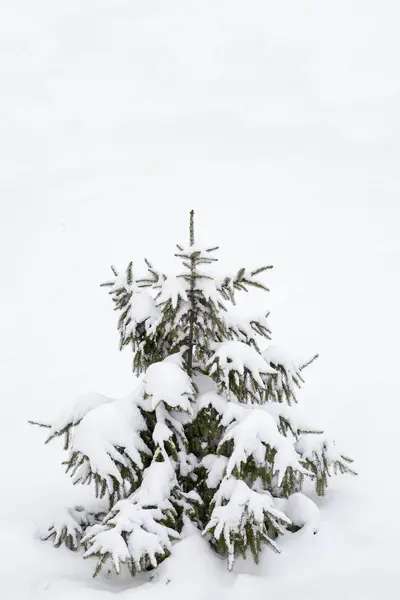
(279, 123)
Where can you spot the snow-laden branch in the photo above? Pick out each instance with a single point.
(322, 457)
(254, 436)
(242, 516)
(239, 368)
(138, 530)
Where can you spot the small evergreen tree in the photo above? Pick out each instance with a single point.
(211, 434)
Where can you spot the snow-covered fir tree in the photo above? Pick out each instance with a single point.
(211, 434)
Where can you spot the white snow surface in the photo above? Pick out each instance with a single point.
(279, 123)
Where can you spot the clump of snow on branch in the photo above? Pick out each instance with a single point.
(211, 399)
(158, 481)
(301, 510)
(74, 412)
(238, 356)
(282, 386)
(167, 382)
(245, 328)
(172, 289)
(210, 291)
(215, 466)
(278, 356)
(288, 417)
(142, 310)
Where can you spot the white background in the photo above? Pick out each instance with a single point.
(279, 122)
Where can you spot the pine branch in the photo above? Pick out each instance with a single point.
(261, 270)
(38, 424)
(309, 362)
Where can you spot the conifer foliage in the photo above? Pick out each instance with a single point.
(211, 434)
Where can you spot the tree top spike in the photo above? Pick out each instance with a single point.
(191, 228)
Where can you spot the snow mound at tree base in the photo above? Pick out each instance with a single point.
(194, 572)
